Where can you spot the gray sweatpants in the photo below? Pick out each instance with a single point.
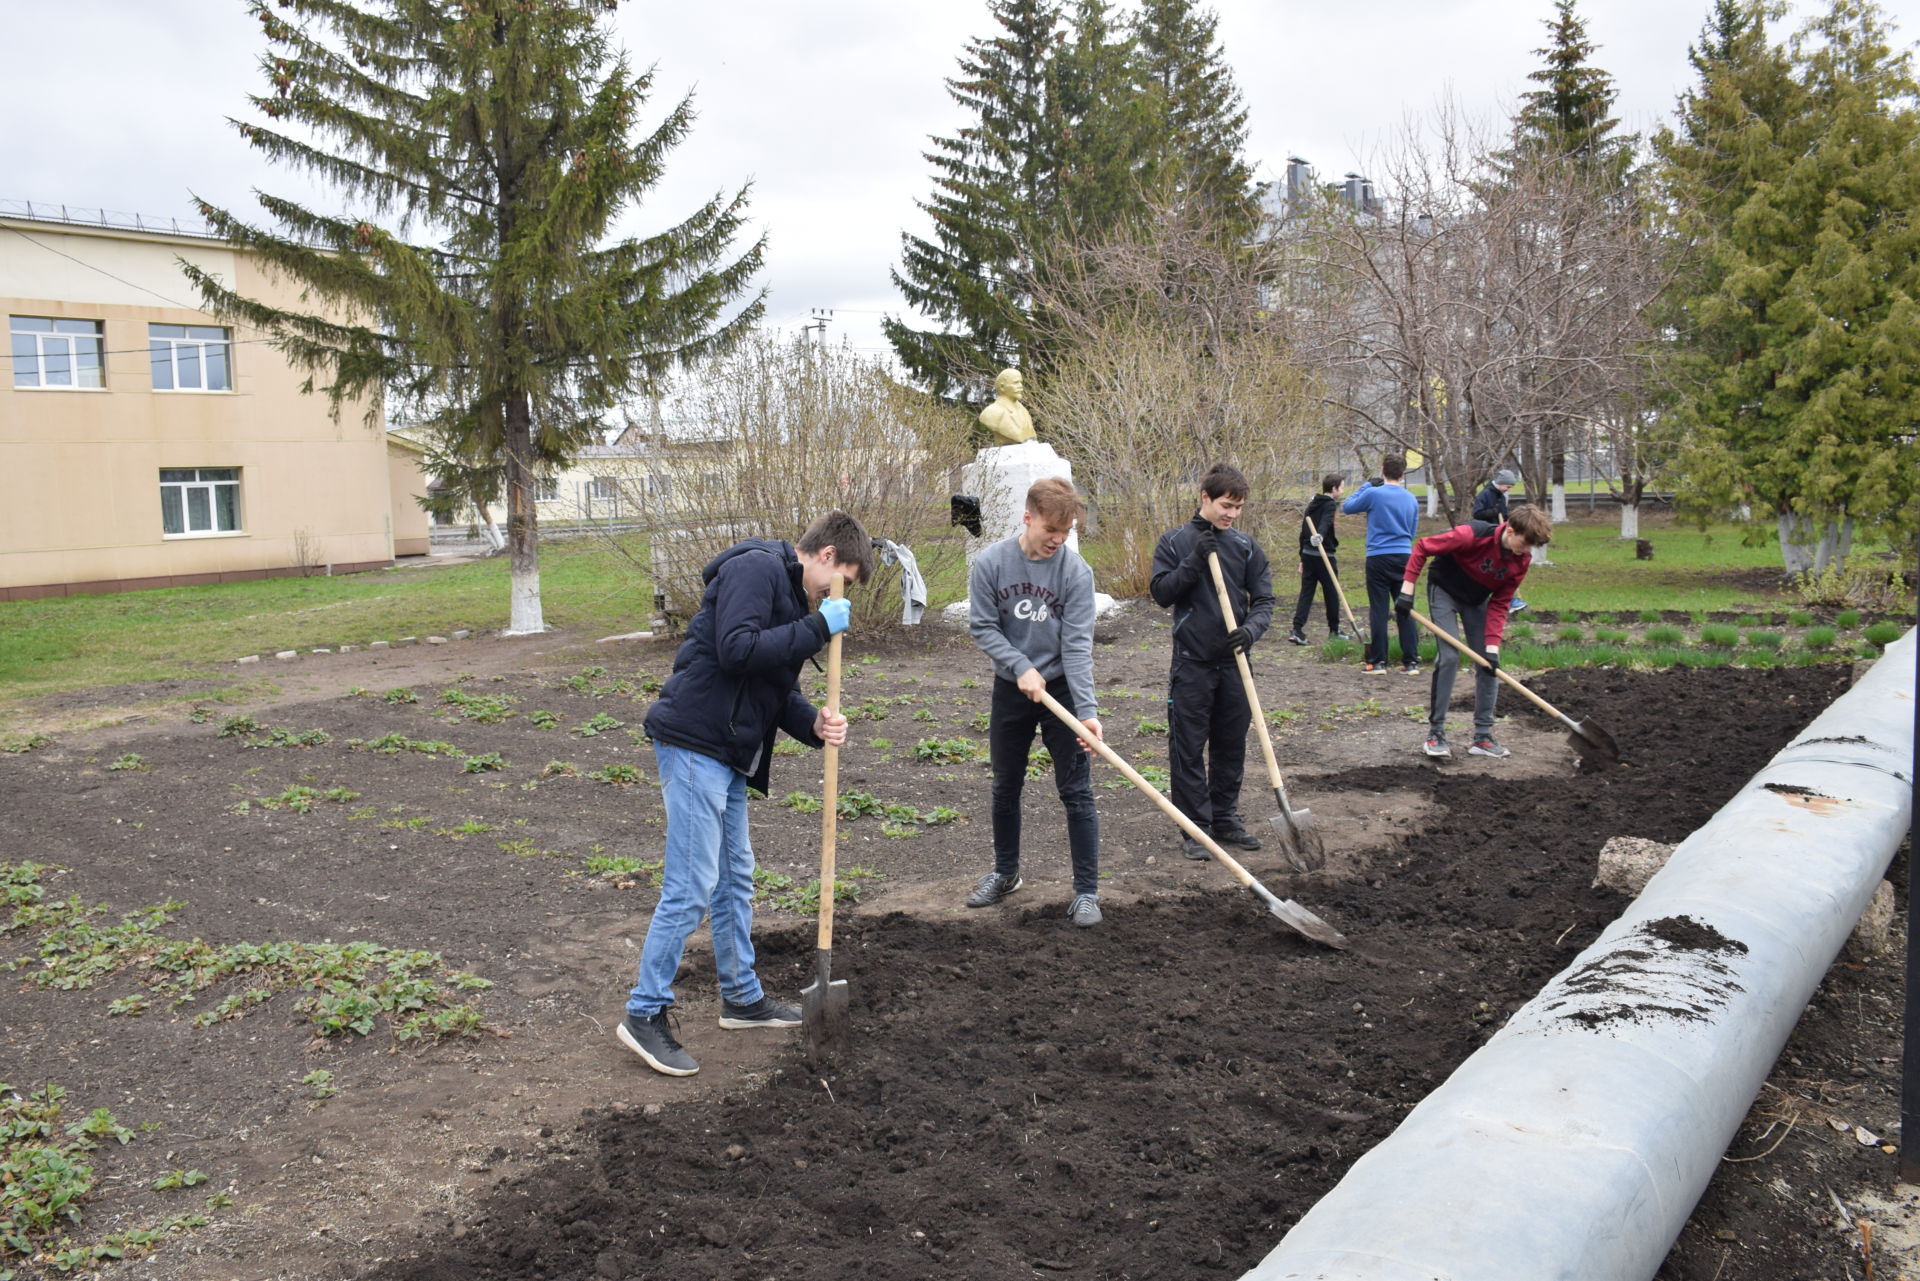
(1469, 623)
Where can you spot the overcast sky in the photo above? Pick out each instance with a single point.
(825, 106)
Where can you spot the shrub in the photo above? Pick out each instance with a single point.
(1858, 583)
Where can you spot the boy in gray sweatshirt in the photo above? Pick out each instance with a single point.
(1031, 610)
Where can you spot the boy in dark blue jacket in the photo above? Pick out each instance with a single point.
(735, 683)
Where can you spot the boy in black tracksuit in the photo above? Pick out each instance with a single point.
(1317, 574)
(1207, 710)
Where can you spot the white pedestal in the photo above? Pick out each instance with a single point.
(1000, 477)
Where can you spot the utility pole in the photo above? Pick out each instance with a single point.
(820, 319)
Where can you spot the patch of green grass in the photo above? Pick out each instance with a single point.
(1148, 725)
(1664, 635)
(129, 761)
(620, 868)
(1818, 638)
(1611, 636)
(623, 775)
(1799, 618)
(1571, 633)
(1884, 633)
(1720, 635)
(1650, 616)
(1847, 618)
(1764, 640)
(778, 890)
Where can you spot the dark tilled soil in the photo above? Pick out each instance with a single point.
(1161, 1096)
(1165, 1096)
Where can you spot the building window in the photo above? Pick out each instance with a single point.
(56, 353)
(190, 357)
(603, 487)
(546, 489)
(199, 500)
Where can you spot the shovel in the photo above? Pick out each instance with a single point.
(823, 1002)
(1290, 912)
(1588, 739)
(1352, 623)
(1305, 850)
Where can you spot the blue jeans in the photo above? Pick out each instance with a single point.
(709, 869)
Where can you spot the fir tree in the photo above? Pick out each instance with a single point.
(1793, 182)
(1571, 114)
(995, 185)
(1203, 117)
(491, 146)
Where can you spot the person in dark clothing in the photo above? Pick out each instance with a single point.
(1476, 569)
(1490, 505)
(1207, 710)
(735, 684)
(1317, 574)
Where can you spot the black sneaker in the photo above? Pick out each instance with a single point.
(1410, 669)
(1194, 850)
(1084, 910)
(1238, 837)
(992, 888)
(765, 1012)
(1374, 669)
(1337, 635)
(652, 1040)
(1298, 637)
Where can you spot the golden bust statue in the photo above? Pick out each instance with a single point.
(1006, 417)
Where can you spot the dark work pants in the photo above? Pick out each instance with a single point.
(1384, 574)
(1314, 576)
(1009, 742)
(1207, 722)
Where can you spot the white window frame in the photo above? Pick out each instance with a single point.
(207, 482)
(546, 489)
(70, 343)
(166, 350)
(603, 489)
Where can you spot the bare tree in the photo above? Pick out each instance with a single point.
(1170, 353)
(780, 430)
(1479, 318)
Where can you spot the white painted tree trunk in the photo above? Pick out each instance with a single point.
(1629, 520)
(1433, 500)
(1795, 555)
(1559, 504)
(525, 617)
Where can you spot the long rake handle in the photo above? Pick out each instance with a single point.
(1112, 758)
(1447, 636)
(830, 787)
(1337, 589)
(1246, 672)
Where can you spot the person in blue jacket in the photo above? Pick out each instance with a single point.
(1393, 515)
(735, 683)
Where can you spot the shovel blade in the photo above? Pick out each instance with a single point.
(1300, 840)
(824, 1014)
(1593, 743)
(1300, 919)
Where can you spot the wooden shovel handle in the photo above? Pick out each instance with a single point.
(1333, 578)
(830, 784)
(1447, 636)
(1112, 758)
(1246, 672)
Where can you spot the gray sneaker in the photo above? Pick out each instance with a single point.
(765, 1012)
(1084, 910)
(1485, 746)
(652, 1040)
(1436, 745)
(992, 888)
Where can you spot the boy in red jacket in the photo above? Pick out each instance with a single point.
(1476, 569)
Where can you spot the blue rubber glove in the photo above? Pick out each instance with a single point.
(837, 614)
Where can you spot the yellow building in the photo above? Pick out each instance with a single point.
(145, 444)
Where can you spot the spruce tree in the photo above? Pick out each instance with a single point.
(1799, 337)
(488, 148)
(1203, 117)
(1571, 114)
(995, 186)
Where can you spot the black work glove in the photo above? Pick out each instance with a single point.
(1493, 659)
(1403, 605)
(1204, 545)
(1240, 640)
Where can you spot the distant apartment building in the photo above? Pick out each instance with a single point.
(143, 443)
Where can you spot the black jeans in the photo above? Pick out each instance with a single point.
(1207, 721)
(1315, 576)
(1384, 574)
(1009, 742)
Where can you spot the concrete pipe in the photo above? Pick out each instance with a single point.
(1576, 1142)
